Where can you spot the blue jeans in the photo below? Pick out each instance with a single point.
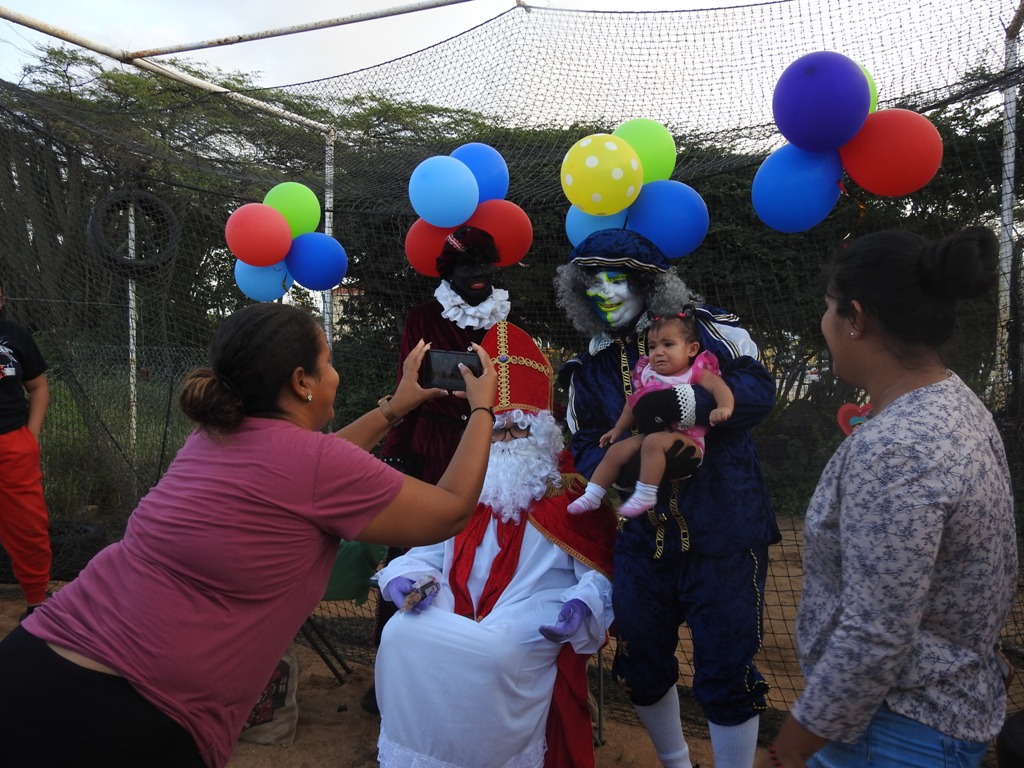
(895, 741)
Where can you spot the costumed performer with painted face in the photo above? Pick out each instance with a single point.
(465, 305)
(700, 555)
(490, 671)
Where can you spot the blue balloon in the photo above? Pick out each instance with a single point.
(579, 225)
(671, 215)
(317, 261)
(794, 190)
(443, 191)
(263, 283)
(488, 167)
(821, 101)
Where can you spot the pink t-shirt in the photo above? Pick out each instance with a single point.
(220, 564)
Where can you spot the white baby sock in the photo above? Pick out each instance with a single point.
(644, 497)
(591, 499)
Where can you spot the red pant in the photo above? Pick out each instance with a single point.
(24, 522)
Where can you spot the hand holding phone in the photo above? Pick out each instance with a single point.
(440, 368)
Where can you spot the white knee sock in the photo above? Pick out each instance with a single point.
(734, 746)
(663, 725)
(591, 499)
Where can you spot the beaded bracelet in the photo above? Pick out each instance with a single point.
(774, 757)
(490, 412)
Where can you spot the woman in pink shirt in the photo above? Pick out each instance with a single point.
(157, 652)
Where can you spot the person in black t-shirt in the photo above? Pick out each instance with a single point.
(24, 520)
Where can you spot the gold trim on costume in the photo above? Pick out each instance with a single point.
(503, 360)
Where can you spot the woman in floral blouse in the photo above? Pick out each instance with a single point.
(910, 560)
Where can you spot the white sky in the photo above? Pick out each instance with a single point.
(135, 25)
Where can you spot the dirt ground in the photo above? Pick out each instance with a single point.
(334, 731)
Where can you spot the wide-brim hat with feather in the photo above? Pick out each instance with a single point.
(622, 248)
(525, 376)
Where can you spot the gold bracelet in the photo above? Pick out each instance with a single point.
(385, 407)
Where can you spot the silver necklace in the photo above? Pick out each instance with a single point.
(881, 397)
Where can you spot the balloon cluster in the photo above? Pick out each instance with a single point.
(276, 245)
(824, 105)
(467, 187)
(621, 180)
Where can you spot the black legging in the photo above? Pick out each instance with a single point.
(56, 714)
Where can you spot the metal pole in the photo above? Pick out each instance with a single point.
(326, 24)
(1001, 372)
(327, 297)
(133, 321)
(160, 69)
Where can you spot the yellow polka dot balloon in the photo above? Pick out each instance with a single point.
(601, 174)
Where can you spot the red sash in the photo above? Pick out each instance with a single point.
(588, 538)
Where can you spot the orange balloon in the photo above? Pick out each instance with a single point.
(508, 224)
(896, 152)
(423, 244)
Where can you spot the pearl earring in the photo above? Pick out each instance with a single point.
(309, 397)
(853, 333)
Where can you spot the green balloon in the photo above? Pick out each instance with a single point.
(297, 203)
(654, 145)
(871, 85)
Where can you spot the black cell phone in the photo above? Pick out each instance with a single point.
(441, 369)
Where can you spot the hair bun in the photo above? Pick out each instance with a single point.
(961, 266)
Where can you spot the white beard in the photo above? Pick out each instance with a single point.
(519, 472)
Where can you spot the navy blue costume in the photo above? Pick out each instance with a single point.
(700, 556)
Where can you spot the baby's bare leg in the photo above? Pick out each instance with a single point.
(652, 469)
(617, 455)
(652, 454)
(604, 474)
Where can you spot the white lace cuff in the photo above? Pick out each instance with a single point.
(687, 405)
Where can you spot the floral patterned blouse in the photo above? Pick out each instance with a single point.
(910, 570)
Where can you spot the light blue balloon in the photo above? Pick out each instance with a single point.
(579, 225)
(263, 283)
(794, 189)
(670, 214)
(317, 261)
(488, 167)
(443, 191)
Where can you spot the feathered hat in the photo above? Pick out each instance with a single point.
(525, 377)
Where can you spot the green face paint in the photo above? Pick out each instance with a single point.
(613, 299)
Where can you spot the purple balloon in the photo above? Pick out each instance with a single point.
(794, 190)
(671, 215)
(821, 101)
(317, 261)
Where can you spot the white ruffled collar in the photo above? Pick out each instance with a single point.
(604, 339)
(487, 313)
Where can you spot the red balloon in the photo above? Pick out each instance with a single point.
(508, 224)
(895, 153)
(258, 234)
(423, 245)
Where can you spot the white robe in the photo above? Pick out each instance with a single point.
(457, 693)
